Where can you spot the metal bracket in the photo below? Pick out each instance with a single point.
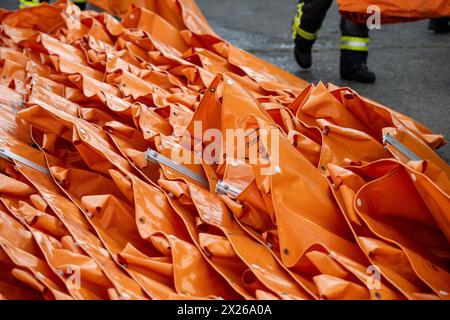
(9, 155)
(388, 139)
(159, 159)
(227, 189)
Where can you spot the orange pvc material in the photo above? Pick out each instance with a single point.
(66, 253)
(399, 272)
(83, 99)
(395, 11)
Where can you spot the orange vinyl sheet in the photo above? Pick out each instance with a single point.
(394, 11)
(119, 178)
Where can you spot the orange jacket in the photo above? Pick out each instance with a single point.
(395, 11)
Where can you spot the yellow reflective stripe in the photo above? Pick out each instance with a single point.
(354, 43)
(32, 3)
(28, 3)
(296, 30)
(358, 39)
(354, 48)
(306, 35)
(297, 20)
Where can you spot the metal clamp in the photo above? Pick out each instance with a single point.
(388, 139)
(227, 189)
(10, 156)
(159, 159)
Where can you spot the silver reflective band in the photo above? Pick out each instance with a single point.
(227, 189)
(388, 139)
(9, 155)
(158, 158)
(355, 43)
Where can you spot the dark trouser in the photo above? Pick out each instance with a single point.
(314, 12)
(354, 39)
(439, 23)
(31, 3)
(81, 4)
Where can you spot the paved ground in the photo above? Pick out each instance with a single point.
(412, 65)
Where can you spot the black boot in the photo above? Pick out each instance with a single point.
(354, 67)
(81, 4)
(439, 25)
(302, 52)
(358, 73)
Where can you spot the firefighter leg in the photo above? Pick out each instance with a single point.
(31, 3)
(28, 3)
(439, 25)
(307, 22)
(80, 3)
(354, 52)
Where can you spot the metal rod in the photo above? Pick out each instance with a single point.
(227, 189)
(158, 158)
(9, 155)
(388, 139)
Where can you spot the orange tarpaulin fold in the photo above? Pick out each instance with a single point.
(394, 11)
(347, 198)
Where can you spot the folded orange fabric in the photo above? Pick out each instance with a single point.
(119, 178)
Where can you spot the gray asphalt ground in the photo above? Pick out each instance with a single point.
(412, 64)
